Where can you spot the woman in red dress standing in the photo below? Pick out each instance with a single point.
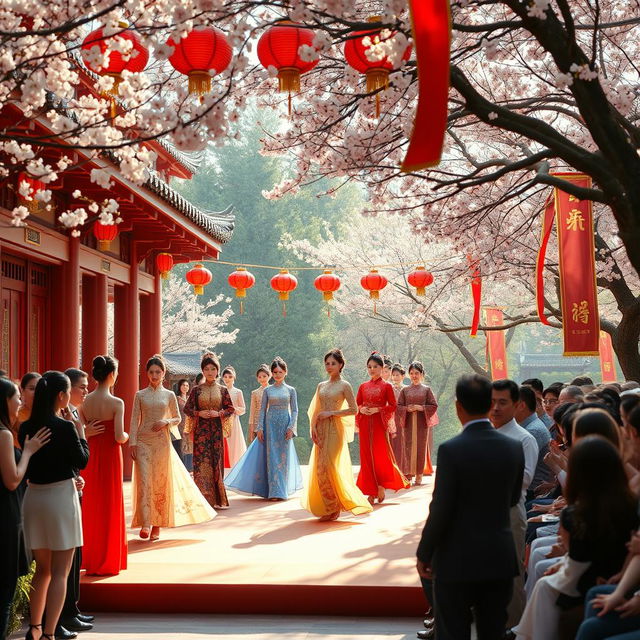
(376, 407)
(105, 540)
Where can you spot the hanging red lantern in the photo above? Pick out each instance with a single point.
(241, 280)
(105, 234)
(420, 279)
(284, 283)
(203, 52)
(164, 262)
(327, 283)
(199, 278)
(376, 71)
(35, 186)
(278, 47)
(374, 282)
(136, 61)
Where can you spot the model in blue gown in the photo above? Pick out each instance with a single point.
(270, 468)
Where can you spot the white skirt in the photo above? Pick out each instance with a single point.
(51, 516)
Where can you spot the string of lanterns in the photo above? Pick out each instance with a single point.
(283, 283)
(205, 52)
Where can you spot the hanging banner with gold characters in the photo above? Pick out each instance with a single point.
(607, 361)
(496, 344)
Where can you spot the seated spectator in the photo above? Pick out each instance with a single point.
(594, 527)
(527, 418)
(629, 385)
(579, 381)
(571, 393)
(550, 399)
(538, 388)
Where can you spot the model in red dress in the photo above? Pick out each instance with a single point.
(376, 406)
(103, 525)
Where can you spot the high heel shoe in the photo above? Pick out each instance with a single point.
(144, 533)
(29, 635)
(381, 494)
(155, 533)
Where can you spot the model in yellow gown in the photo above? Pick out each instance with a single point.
(331, 488)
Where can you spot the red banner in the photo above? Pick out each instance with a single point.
(547, 227)
(476, 293)
(432, 42)
(607, 362)
(577, 262)
(496, 344)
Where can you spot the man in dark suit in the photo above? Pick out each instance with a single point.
(467, 546)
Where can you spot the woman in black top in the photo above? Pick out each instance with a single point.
(52, 521)
(13, 465)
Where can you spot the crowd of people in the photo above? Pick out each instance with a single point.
(533, 527)
(61, 457)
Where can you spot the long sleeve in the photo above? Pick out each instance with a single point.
(254, 409)
(262, 421)
(239, 405)
(226, 408)
(430, 407)
(359, 403)
(78, 449)
(135, 420)
(388, 411)
(293, 420)
(401, 410)
(530, 448)
(191, 406)
(352, 407)
(441, 509)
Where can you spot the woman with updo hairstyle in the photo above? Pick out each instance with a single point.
(185, 454)
(396, 437)
(164, 495)
(235, 442)
(270, 467)
(103, 522)
(416, 416)
(263, 375)
(376, 408)
(210, 408)
(51, 508)
(331, 488)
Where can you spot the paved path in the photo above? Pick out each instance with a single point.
(197, 627)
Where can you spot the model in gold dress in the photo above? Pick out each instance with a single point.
(331, 487)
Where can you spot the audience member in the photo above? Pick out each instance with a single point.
(538, 388)
(571, 393)
(52, 525)
(466, 540)
(550, 399)
(579, 381)
(27, 389)
(505, 394)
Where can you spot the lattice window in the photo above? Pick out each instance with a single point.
(14, 270)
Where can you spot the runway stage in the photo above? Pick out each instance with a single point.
(262, 557)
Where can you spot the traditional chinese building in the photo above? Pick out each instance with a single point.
(58, 291)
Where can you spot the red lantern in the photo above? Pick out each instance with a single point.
(241, 280)
(203, 52)
(376, 71)
(199, 277)
(164, 262)
(278, 47)
(284, 283)
(327, 283)
(105, 234)
(35, 186)
(373, 282)
(420, 279)
(136, 61)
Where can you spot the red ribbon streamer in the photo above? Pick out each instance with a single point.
(476, 293)
(547, 226)
(432, 39)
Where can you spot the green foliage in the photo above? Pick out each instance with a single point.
(237, 174)
(20, 605)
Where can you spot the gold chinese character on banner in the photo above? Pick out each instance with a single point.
(499, 364)
(580, 312)
(495, 319)
(575, 220)
(573, 198)
(607, 366)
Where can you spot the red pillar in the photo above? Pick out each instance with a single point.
(66, 337)
(95, 300)
(127, 343)
(151, 327)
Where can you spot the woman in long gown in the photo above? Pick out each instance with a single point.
(417, 407)
(270, 467)
(210, 408)
(331, 488)
(103, 523)
(186, 441)
(263, 375)
(397, 439)
(164, 495)
(235, 441)
(376, 407)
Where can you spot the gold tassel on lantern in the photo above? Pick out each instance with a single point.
(377, 79)
(289, 81)
(199, 82)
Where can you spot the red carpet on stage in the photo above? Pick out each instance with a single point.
(273, 557)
